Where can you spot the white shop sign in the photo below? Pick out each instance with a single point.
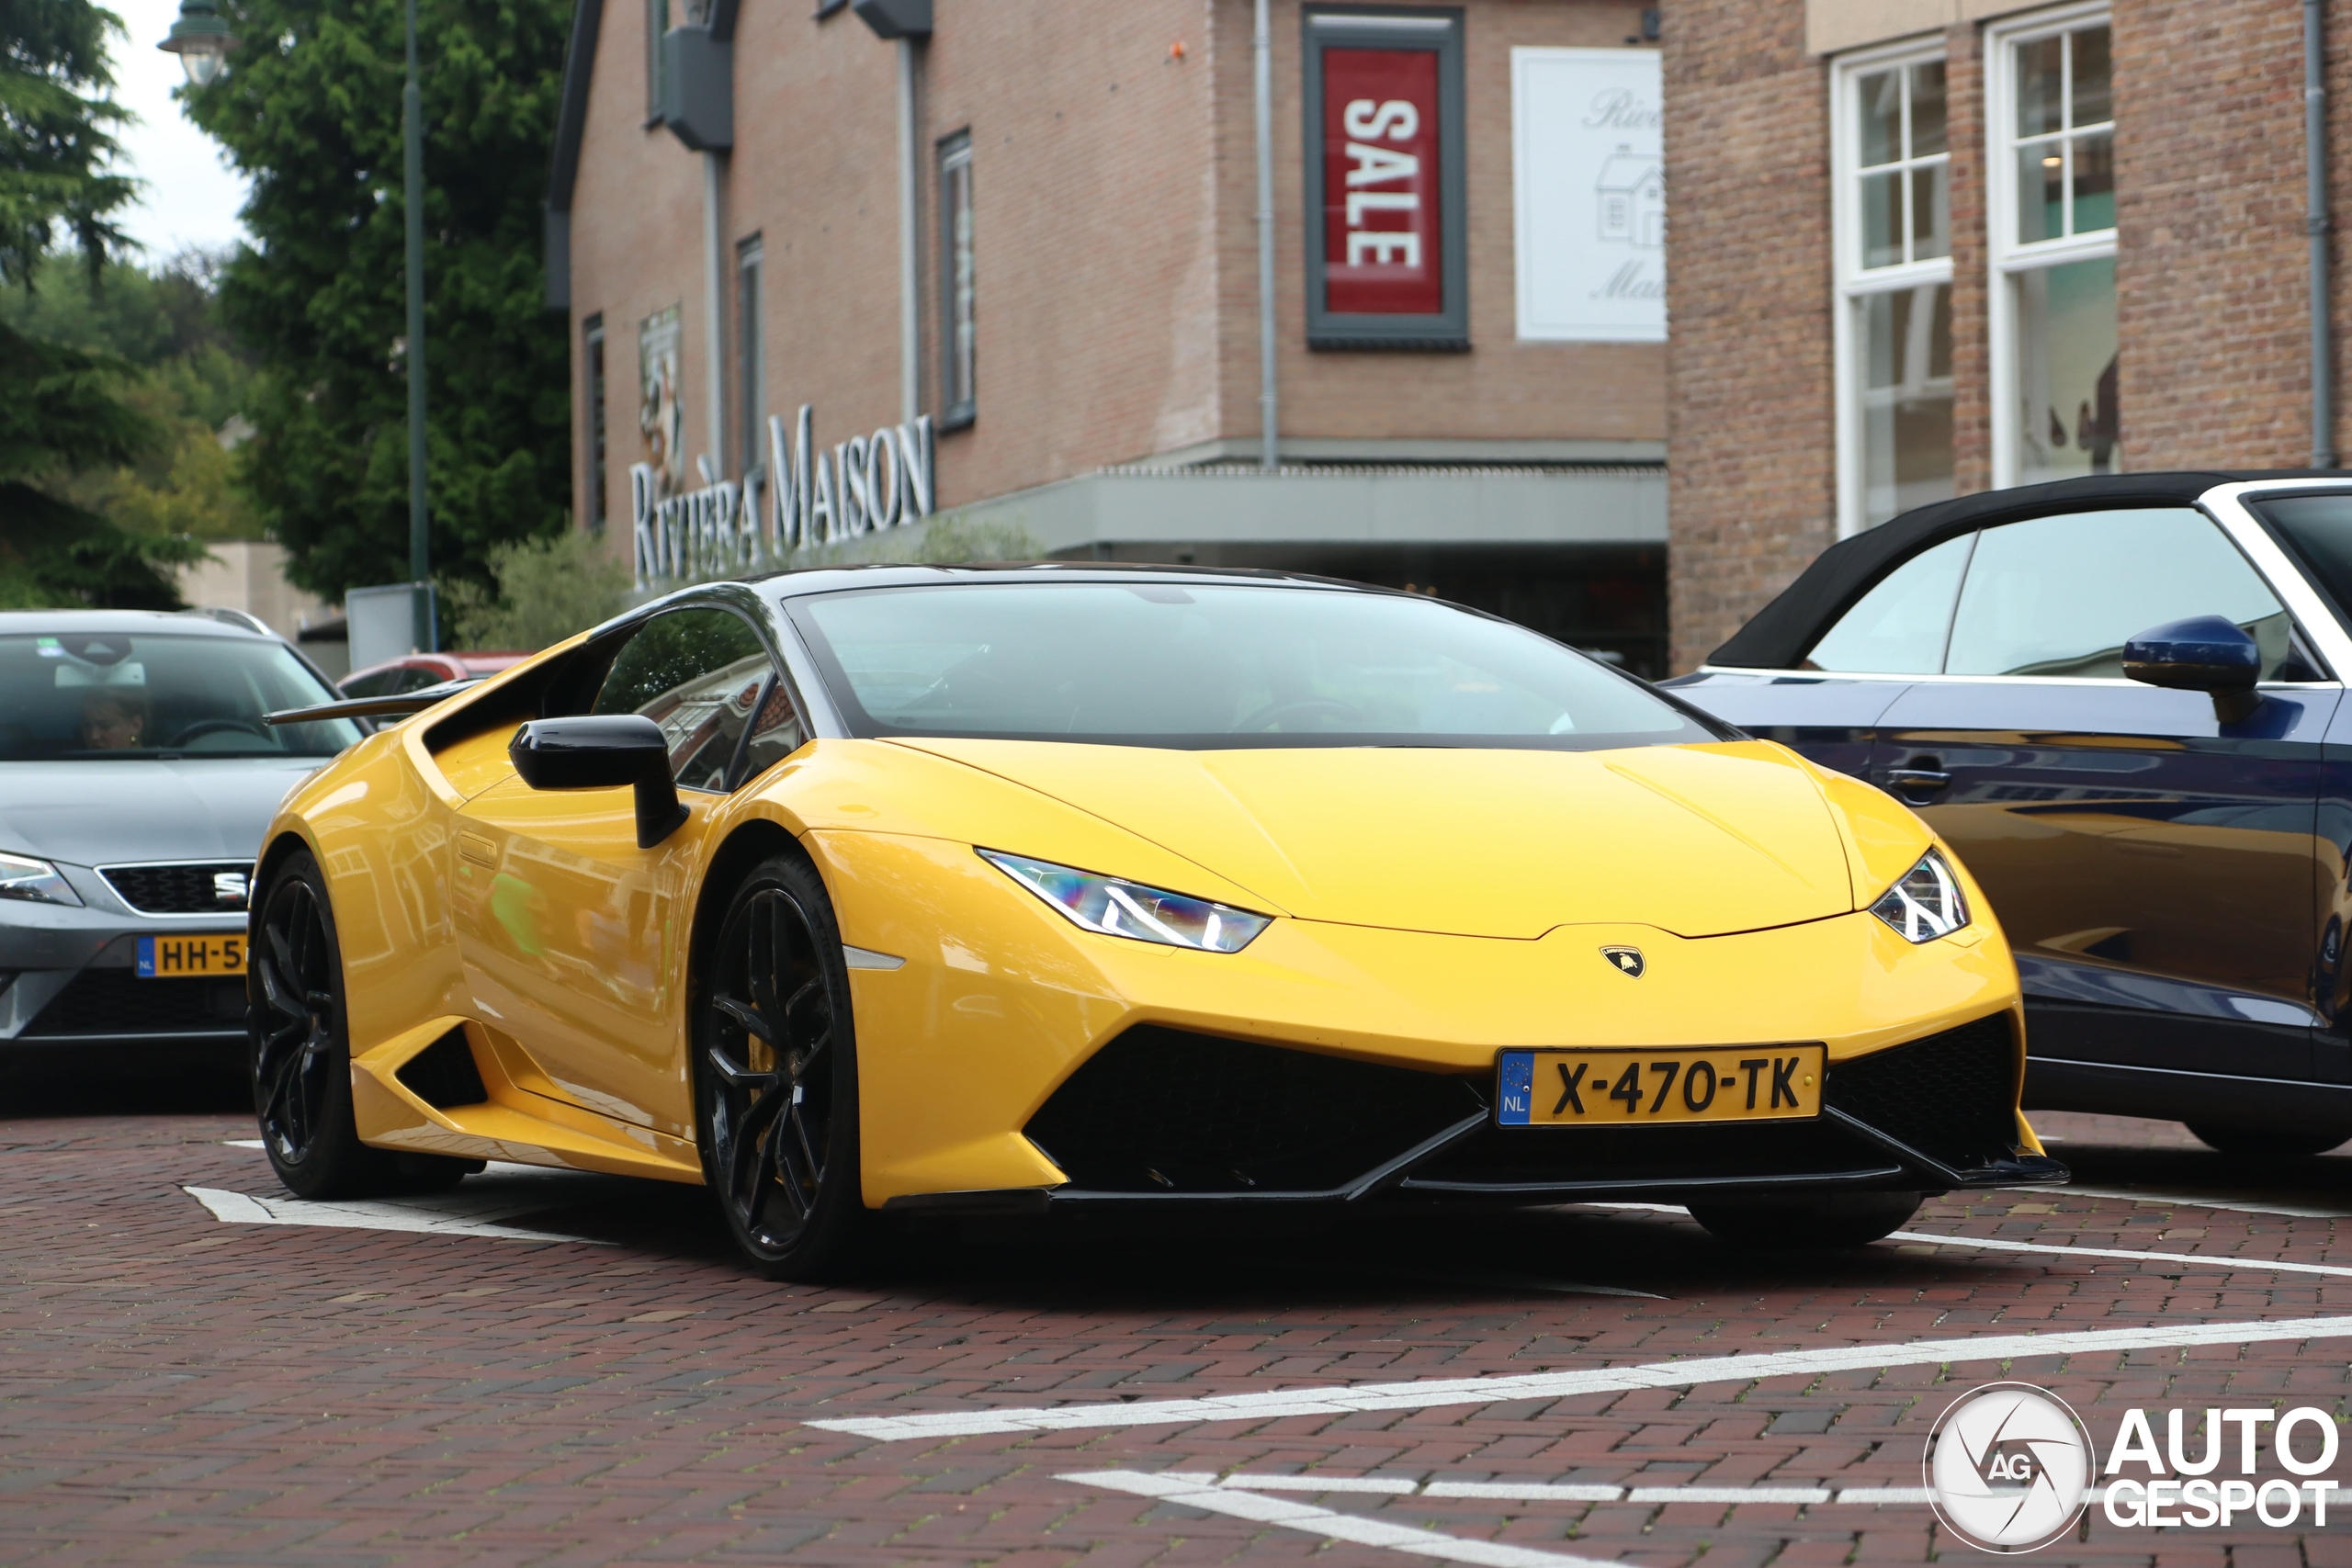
(805, 497)
(1589, 187)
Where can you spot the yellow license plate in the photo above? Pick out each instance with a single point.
(190, 957)
(1633, 1087)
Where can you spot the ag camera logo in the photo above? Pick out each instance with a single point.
(2008, 1467)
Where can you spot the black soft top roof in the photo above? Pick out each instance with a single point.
(1783, 631)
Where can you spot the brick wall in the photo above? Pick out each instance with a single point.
(1751, 472)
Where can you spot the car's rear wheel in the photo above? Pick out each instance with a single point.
(776, 1074)
(2267, 1143)
(1832, 1220)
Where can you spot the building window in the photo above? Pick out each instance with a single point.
(656, 22)
(591, 360)
(959, 387)
(2051, 123)
(1894, 272)
(751, 389)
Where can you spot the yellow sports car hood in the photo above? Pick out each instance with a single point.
(1698, 840)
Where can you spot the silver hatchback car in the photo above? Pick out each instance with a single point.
(136, 776)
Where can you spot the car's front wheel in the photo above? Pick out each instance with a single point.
(299, 1051)
(2267, 1143)
(776, 1074)
(1832, 1220)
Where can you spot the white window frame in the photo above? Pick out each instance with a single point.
(2006, 257)
(1854, 283)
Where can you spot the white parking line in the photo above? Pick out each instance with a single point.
(1437, 1393)
(1192, 1491)
(456, 1213)
(2208, 1260)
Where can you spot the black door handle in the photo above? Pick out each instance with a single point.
(1914, 785)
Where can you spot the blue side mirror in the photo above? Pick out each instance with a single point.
(2203, 653)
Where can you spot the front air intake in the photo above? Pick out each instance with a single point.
(1950, 1096)
(1166, 1110)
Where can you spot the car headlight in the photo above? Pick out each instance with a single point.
(1927, 903)
(35, 881)
(1116, 906)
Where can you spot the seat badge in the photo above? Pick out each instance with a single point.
(1627, 960)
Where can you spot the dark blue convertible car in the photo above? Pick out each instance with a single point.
(2121, 698)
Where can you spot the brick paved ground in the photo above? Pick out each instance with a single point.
(175, 1389)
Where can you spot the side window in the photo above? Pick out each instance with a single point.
(1899, 626)
(2060, 596)
(776, 734)
(369, 685)
(697, 674)
(414, 679)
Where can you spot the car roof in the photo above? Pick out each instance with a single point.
(1780, 634)
(800, 583)
(149, 623)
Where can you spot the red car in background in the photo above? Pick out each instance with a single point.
(414, 672)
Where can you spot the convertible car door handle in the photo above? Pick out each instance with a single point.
(1909, 782)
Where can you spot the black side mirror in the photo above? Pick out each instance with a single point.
(2203, 653)
(604, 752)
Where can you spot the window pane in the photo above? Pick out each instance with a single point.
(778, 734)
(2040, 105)
(1898, 628)
(1930, 212)
(749, 344)
(1880, 96)
(958, 376)
(2069, 421)
(1906, 399)
(695, 673)
(1927, 109)
(1881, 220)
(2061, 595)
(2094, 183)
(2093, 100)
(2042, 188)
(2318, 528)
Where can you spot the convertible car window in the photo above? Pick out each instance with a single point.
(123, 695)
(697, 674)
(1159, 663)
(1899, 626)
(2318, 529)
(2060, 595)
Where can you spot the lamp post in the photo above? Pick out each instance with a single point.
(202, 41)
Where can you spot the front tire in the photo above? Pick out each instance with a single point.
(300, 1047)
(2266, 1143)
(776, 1075)
(1834, 1220)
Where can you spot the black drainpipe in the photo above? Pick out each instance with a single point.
(2315, 225)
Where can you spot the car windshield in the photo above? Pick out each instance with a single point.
(1209, 666)
(124, 696)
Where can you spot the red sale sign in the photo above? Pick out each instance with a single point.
(1382, 245)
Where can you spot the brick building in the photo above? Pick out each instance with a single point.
(1930, 247)
(1008, 258)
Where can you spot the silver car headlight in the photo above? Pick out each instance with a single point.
(1115, 907)
(1927, 903)
(35, 881)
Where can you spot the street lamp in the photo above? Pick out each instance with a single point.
(201, 40)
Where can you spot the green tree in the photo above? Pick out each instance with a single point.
(310, 109)
(65, 411)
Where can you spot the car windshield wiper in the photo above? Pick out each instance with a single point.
(371, 707)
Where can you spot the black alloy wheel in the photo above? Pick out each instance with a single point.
(776, 1074)
(300, 1053)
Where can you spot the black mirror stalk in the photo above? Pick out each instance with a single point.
(604, 751)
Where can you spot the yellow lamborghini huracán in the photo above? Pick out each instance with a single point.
(1008, 889)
